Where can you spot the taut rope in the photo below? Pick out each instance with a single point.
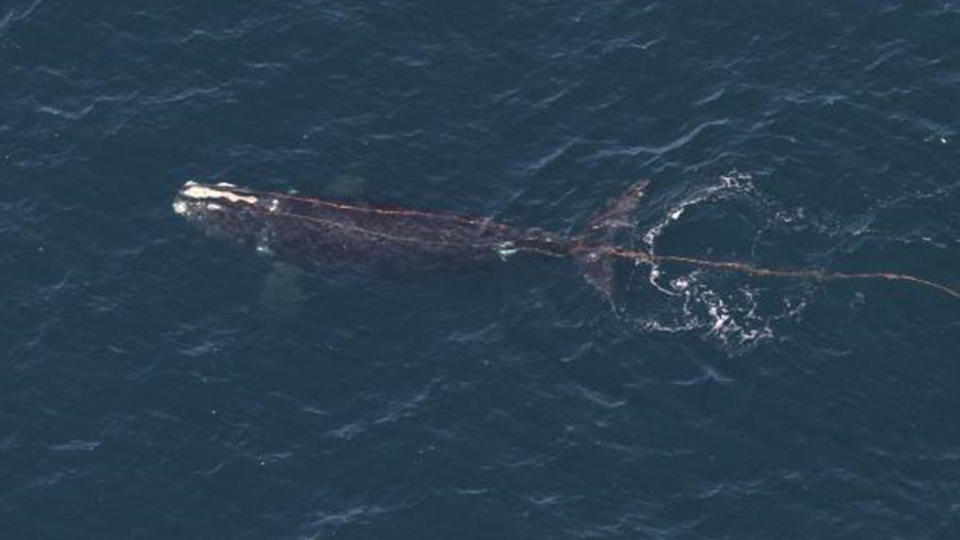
(733, 266)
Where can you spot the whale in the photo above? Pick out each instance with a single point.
(313, 230)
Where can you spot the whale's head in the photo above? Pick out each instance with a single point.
(226, 210)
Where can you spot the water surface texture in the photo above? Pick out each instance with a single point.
(156, 383)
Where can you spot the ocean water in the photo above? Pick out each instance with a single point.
(156, 383)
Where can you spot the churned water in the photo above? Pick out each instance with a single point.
(156, 383)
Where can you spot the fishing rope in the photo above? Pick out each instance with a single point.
(503, 248)
(819, 275)
(377, 210)
(644, 257)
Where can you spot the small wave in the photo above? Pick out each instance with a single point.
(13, 16)
(76, 445)
(675, 144)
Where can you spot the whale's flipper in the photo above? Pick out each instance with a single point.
(282, 295)
(591, 248)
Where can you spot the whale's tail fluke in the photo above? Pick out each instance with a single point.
(594, 249)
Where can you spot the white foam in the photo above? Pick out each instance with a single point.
(702, 302)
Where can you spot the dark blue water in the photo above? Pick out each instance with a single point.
(156, 383)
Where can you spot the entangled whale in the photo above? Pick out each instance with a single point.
(319, 230)
(315, 230)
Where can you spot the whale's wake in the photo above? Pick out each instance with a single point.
(687, 297)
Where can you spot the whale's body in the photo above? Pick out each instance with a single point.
(308, 229)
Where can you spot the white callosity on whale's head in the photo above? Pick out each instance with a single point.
(194, 199)
(196, 191)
